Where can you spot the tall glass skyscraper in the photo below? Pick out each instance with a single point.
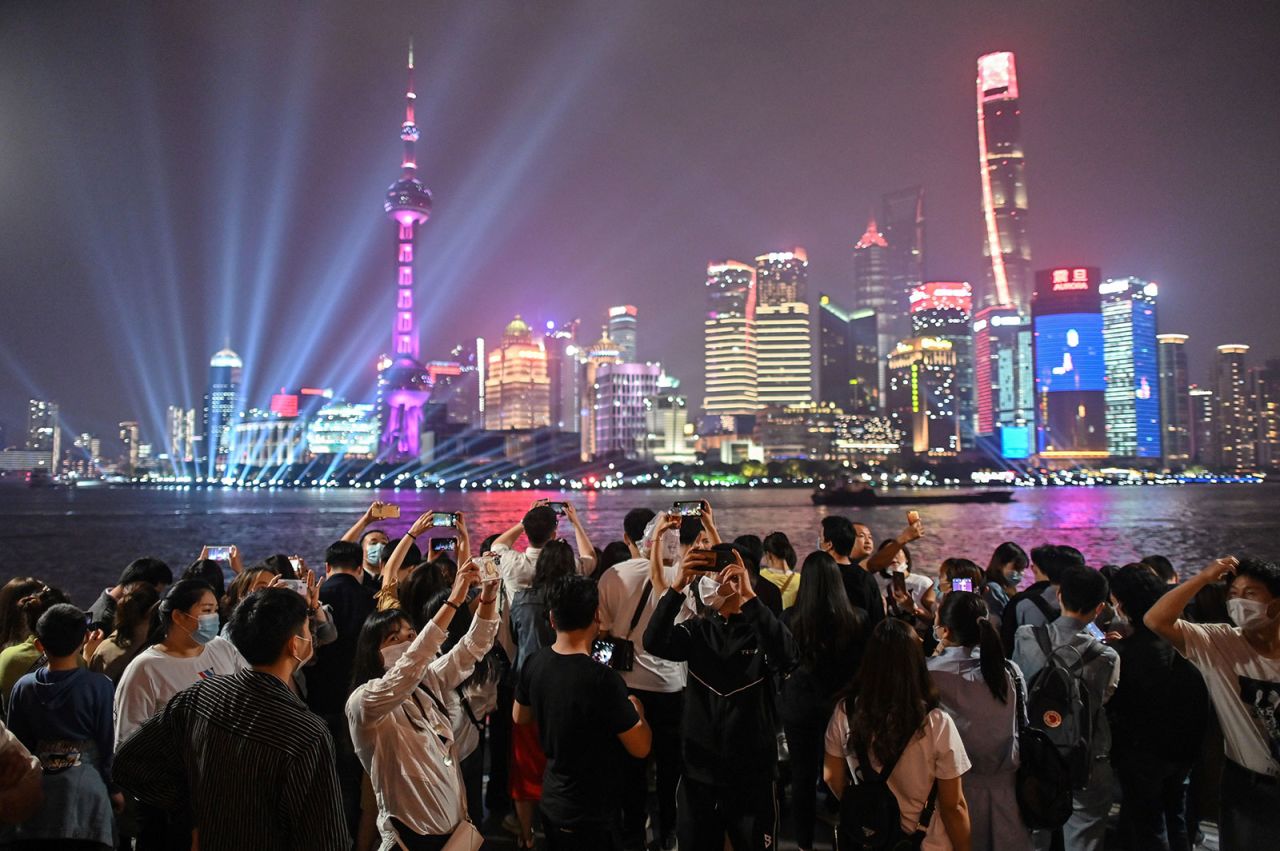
(1235, 437)
(784, 336)
(729, 339)
(1070, 367)
(942, 310)
(1004, 379)
(1003, 179)
(1133, 369)
(221, 406)
(623, 322)
(873, 288)
(902, 226)
(848, 358)
(1175, 404)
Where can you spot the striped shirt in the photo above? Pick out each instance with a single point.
(247, 758)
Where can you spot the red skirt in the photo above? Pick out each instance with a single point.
(527, 763)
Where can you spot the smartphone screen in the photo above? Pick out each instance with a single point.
(297, 566)
(899, 581)
(387, 511)
(444, 519)
(299, 585)
(962, 585)
(602, 651)
(1092, 629)
(219, 553)
(558, 507)
(688, 508)
(444, 545)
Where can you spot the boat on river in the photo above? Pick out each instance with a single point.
(866, 497)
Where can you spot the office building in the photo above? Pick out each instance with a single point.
(181, 428)
(1202, 426)
(1264, 393)
(44, 431)
(1175, 405)
(1004, 380)
(565, 371)
(1002, 175)
(944, 309)
(404, 388)
(131, 437)
(729, 339)
(1133, 370)
(622, 330)
(669, 435)
(221, 409)
(266, 440)
(873, 289)
(921, 398)
(621, 390)
(517, 387)
(1235, 426)
(848, 358)
(1066, 317)
(783, 335)
(344, 430)
(902, 226)
(601, 353)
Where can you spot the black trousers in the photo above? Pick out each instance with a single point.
(417, 841)
(497, 796)
(805, 743)
(1250, 809)
(350, 772)
(747, 814)
(592, 838)
(1153, 808)
(662, 711)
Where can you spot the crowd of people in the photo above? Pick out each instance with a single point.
(673, 689)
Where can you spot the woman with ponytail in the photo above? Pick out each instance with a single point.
(23, 657)
(980, 689)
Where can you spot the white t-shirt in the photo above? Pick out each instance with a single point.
(1245, 689)
(917, 586)
(517, 568)
(621, 587)
(154, 676)
(935, 752)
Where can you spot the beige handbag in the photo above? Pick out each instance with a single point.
(465, 837)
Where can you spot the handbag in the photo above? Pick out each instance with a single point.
(620, 653)
(465, 837)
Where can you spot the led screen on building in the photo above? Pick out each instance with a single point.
(1068, 353)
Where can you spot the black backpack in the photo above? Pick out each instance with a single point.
(870, 819)
(1009, 619)
(1044, 779)
(1060, 705)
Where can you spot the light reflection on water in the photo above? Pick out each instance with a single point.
(80, 540)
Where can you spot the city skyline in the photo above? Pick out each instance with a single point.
(157, 271)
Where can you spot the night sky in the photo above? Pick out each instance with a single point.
(176, 176)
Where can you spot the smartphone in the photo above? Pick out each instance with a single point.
(488, 568)
(560, 508)
(1092, 629)
(444, 518)
(297, 565)
(219, 553)
(725, 558)
(386, 511)
(913, 516)
(299, 585)
(898, 581)
(443, 545)
(962, 585)
(688, 508)
(602, 652)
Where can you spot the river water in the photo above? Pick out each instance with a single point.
(80, 539)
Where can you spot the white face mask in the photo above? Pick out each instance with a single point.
(1247, 613)
(392, 653)
(713, 594)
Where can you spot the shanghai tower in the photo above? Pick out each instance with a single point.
(403, 384)
(1004, 186)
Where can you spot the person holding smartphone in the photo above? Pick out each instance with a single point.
(538, 526)
(729, 727)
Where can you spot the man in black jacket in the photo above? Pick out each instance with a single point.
(730, 748)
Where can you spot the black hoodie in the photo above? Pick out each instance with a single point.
(728, 728)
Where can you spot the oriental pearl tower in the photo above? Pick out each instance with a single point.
(403, 385)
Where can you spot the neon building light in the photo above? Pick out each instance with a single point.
(1070, 365)
(1002, 173)
(404, 386)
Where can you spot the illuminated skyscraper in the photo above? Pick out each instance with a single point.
(601, 353)
(621, 390)
(902, 224)
(622, 330)
(1004, 379)
(1264, 393)
(729, 339)
(182, 436)
(873, 289)
(1004, 187)
(784, 336)
(1133, 370)
(404, 387)
(221, 409)
(1070, 367)
(921, 396)
(131, 437)
(1235, 434)
(848, 358)
(517, 388)
(943, 309)
(564, 369)
(1175, 404)
(1202, 426)
(44, 431)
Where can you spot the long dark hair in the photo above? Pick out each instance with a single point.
(12, 628)
(207, 570)
(134, 611)
(239, 587)
(823, 622)
(893, 692)
(778, 545)
(555, 561)
(1006, 553)
(458, 626)
(31, 606)
(965, 615)
(415, 593)
(181, 596)
(367, 664)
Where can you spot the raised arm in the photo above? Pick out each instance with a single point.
(391, 570)
(657, 572)
(774, 637)
(884, 557)
(586, 552)
(357, 529)
(663, 637)
(709, 523)
(1165, 617)
(449, 671)
(464, 540)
